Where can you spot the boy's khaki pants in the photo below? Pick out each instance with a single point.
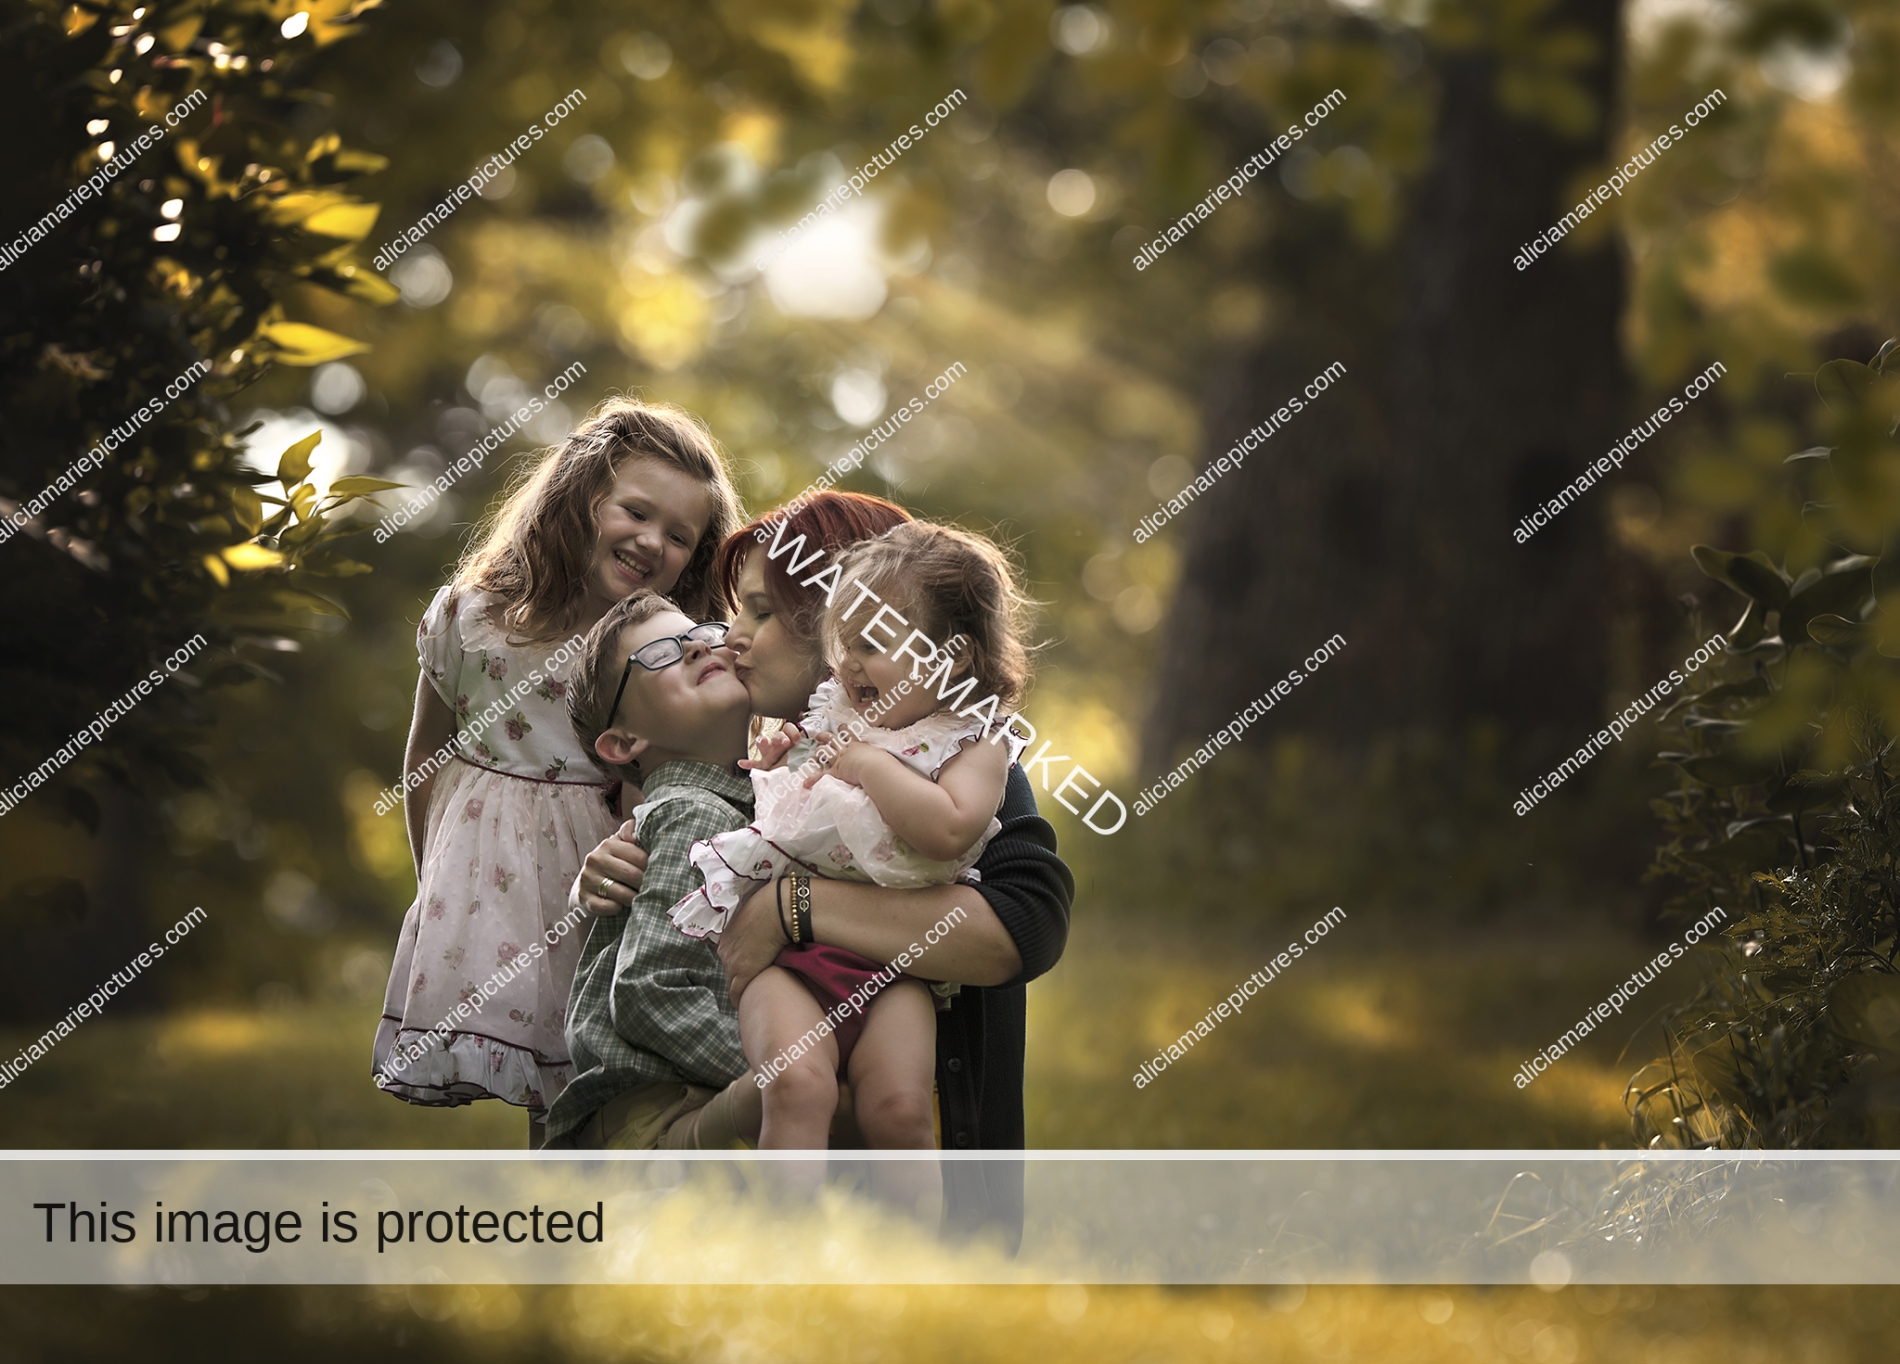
(673, 1116)
(666, 1116)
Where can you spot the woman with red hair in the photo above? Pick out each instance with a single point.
(1015, 922)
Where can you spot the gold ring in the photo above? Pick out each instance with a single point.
(605, 882)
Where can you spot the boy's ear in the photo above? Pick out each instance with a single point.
(619, 748)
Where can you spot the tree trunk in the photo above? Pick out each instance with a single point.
(1384, 511)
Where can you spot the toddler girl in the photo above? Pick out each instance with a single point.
(911, 802)
(502, 804)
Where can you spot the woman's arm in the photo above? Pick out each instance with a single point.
(432, 727)
(1013, 928)
(940, 819)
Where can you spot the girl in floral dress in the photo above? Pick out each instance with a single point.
(502, 805)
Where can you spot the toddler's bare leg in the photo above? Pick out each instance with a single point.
(798, 1101)
(892, 1070)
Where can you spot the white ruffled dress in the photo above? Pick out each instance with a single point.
(510, 819)
(831, 829)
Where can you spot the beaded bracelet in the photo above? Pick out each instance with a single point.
(801, 907)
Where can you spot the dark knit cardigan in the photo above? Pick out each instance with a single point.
(980, 1038)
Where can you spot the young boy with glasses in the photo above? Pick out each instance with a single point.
(651, 1028)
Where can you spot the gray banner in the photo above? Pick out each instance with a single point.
(1203, 1218)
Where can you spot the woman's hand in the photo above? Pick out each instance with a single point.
(752, 939)
(611, 875)
(773, 748)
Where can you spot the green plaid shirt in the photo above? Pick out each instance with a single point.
(649, 1003)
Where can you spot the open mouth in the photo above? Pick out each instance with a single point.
(713, 667)
(865, 693)
(632, 568)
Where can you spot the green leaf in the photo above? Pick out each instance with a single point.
(346, 221)
(1837, 632)
(1728, 691)
(178, 35)
(330, 160)
(1747, 632)
(294, 467)
(302, 599)
(300, 344)
(354, 281)
(353, 163)
(1807, 791)
(1839, 590)
(1762, 844)
(1726, 769)
(306, 531)
(248, 507)
(359, 486)
(308, 208)
(1753, 574)
(328, 567)
(247, 557)
(1845, 385)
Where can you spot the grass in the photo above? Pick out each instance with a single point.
(1054, 1325)
(1373, 1039)
(292, 1078)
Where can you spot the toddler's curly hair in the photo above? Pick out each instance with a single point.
(960, 589)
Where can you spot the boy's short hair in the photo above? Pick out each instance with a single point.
(590, 691)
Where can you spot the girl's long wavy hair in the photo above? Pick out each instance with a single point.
(535, 551)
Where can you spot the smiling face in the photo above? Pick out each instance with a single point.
(780, 670)
(695, 708)
(647, 527)
(874, 680)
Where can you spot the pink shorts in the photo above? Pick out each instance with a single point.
(833, 974)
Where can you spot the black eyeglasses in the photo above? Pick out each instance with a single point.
(664, 653)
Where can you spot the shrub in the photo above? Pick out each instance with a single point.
(1787, 813)
(196, 254)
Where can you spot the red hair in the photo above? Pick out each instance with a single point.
(829, 521)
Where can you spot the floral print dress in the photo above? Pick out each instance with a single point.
(832, 829)
(510, 819)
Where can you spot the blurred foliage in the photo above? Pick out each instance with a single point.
(1257, 837)
(1787, 813)
(200, 251)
